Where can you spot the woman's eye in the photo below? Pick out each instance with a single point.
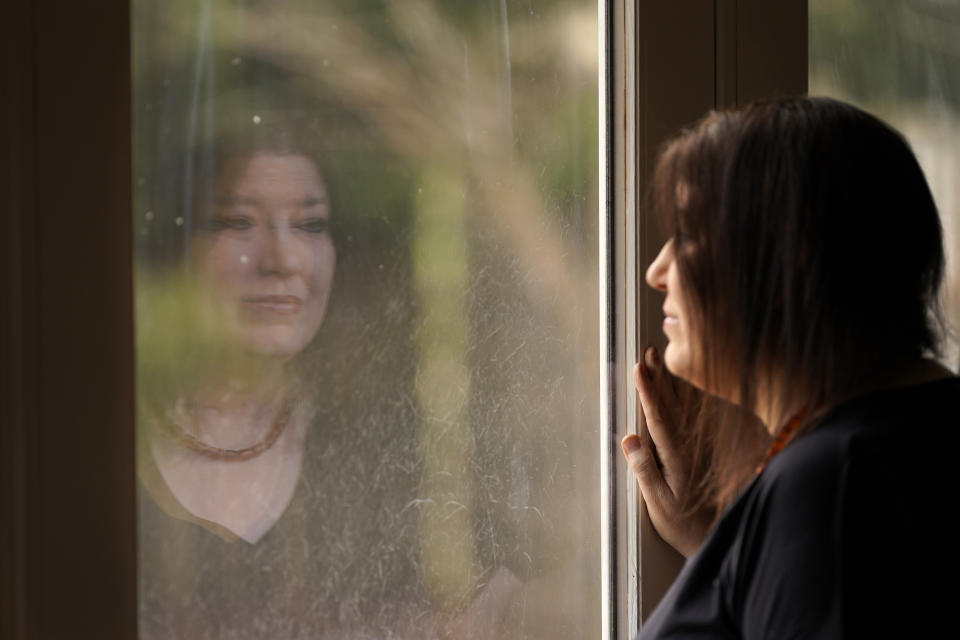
(313, 225)
(233, 223)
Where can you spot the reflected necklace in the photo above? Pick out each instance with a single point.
(783, 437)
(193, 443)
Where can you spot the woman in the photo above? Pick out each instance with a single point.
(263, 507)
(801, 281)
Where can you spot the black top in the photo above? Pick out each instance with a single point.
(847, 533)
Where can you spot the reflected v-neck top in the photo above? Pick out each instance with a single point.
(847, 533)
(339, 563)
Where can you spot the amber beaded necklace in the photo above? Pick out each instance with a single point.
(193, 443)
(782, 438)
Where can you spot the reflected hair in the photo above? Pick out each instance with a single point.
(187, 178)
(812, 250)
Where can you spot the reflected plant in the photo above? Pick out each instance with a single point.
(181, 344)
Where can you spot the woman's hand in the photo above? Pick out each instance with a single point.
(658, 460)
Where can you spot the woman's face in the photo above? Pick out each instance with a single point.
(266, 253)
(682, 354)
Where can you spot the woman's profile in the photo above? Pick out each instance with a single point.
(807, 481)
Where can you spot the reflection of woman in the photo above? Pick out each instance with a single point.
(264, 254)
(255, 524)
(804, 263)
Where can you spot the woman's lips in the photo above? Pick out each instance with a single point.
(273, 305)
(669, 320)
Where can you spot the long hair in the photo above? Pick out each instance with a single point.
(812, 249)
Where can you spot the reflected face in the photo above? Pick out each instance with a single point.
(266, 253)
(682, 354)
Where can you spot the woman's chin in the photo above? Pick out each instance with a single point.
(679, 364)
(672, 361)
(273, 345)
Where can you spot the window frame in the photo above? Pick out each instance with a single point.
(67, 473)
(67, 343)
(729, 52)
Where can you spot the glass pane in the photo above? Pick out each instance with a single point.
(366, 253)
(900, 60)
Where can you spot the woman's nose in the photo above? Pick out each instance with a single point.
(656, 275)
(279, 253)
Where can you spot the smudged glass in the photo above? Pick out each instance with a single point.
(367, 342)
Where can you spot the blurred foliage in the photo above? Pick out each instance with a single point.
(443, 388)
(903, 50)
(181, 345)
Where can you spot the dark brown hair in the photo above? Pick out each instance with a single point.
(186, 178)
(810, 243)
